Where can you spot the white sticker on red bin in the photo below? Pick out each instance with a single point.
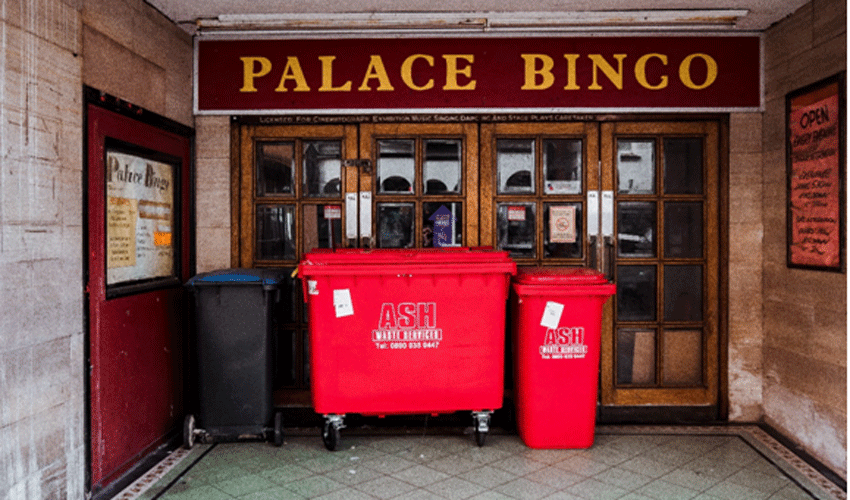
(552, 314)
(342, 303)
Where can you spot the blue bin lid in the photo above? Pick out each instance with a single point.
(239, 276)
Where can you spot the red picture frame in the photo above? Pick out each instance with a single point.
(815, 117)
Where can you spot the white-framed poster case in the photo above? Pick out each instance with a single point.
(142, 218)
(815, 146)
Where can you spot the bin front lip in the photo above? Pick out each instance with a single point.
(559, 276)
(604, 289)
(404, 269)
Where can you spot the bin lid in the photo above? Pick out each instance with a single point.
(392, 261)
(238, 276)
(562, 276)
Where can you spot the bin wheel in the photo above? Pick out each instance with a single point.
(480, 437)
(278, 429)
(330, 435)
(189, 431)
(481, 425)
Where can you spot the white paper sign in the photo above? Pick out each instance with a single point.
(342, 303)
(562, 224)
(516, 213)
(552, 315)
(312, 287)
(333, 212)
(351, 216)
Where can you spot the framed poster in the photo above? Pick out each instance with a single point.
(815, 171)
(141, 226)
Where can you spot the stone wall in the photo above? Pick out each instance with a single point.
(805, 326)
(745, 268)
(42, 454)
(212, 215)
(51, 48)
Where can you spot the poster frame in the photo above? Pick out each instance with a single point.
(793, 255)
(113, 145)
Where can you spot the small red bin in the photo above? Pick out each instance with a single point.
(406, 331)
(557, 316)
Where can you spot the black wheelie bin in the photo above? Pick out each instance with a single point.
(235, 319)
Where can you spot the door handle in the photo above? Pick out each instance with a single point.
(591, 245)
(608, 244)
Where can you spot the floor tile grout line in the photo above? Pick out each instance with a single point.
(770, 451)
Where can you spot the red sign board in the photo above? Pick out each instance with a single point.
(702, 73)
(815, 183)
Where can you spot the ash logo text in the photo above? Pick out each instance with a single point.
(564, 343)
(407, 325)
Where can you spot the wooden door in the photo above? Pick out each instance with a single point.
(661, 337)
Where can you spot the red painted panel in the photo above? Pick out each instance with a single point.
(136, 341)
(480, 73)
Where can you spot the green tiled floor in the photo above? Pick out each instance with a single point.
(629, 464)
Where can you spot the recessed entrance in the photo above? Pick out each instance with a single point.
(637, 200)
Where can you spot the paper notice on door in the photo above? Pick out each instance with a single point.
(562, 224)
(342, 303)
(552, 314)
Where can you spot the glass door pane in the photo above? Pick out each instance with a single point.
(395, 225)
(441, 170)
(396, 166)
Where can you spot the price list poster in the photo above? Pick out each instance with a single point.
(815, 124)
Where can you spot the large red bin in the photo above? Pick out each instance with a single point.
(405, 332)
(557, 316)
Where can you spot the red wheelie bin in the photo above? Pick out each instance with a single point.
(406, 332)
(557, 316)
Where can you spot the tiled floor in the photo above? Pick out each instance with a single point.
(663, 463)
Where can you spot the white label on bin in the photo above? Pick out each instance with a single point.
(552, 314)
(342, 303)
(312, 287)
(564, 343)
(408, 325)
